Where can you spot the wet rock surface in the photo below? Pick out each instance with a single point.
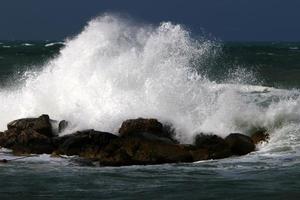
(260, 136)
(216, 146)
(83, 141)
(240, 144)
(28, 135)
(140, 142)
(41, 125)
(149, 129)
(134, 151)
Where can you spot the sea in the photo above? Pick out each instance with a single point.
(117, 69)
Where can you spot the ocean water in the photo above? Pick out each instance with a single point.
(116, 69)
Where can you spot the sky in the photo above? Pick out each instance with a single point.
(227, 20)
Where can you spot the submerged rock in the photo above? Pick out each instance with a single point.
(240, 144)
(83, 162)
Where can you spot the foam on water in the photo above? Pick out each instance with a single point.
(53, 43)
(115, 70)
(28, 44)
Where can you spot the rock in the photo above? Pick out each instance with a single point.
(199, 154)
(240, 144)
(260, 136)
(216, 146)
(148, 129)
(8, 139)
(41, 125)
(141, 142)
(27, 141)
(28, 136)
(63, 124)
(86, 143)
(135, 151)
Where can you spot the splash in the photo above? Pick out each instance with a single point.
(115, 70)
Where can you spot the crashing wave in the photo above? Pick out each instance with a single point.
(115, 70)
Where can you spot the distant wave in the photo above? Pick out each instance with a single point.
(53, 43)
(28, 44)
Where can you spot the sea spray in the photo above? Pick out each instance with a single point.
(115, 70)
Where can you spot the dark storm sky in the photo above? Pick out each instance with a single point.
(229, 20)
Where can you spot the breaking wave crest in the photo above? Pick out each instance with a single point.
(115, 70)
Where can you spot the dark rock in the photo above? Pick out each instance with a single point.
(148, 129)
(86, 143)
(142, 142)
(150, 137)
(27, 141)
(260, 136)
(41, 125)
(3, 161)
(28, 135)
(199, 154)
(63, 124)
(216, 146)
(140, 125)
(8, 138)
(135, 151)
(240, 144)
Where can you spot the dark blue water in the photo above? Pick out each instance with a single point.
(226, 179)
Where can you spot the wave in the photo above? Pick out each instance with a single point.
(116, 69)
(27, 44)
(294, 48)
(54, 43)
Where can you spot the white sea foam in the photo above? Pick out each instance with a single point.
(27, 44)
(115, 70)
(53, 43)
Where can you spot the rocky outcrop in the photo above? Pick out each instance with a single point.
(216, 146)
(83, 142)
(260, 136)
(135, 151)
(62, 125)
(148, 129)
(41, 125)
(30, 135)
(240, 144)
(140, 142)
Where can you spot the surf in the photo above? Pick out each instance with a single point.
(118, 69)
